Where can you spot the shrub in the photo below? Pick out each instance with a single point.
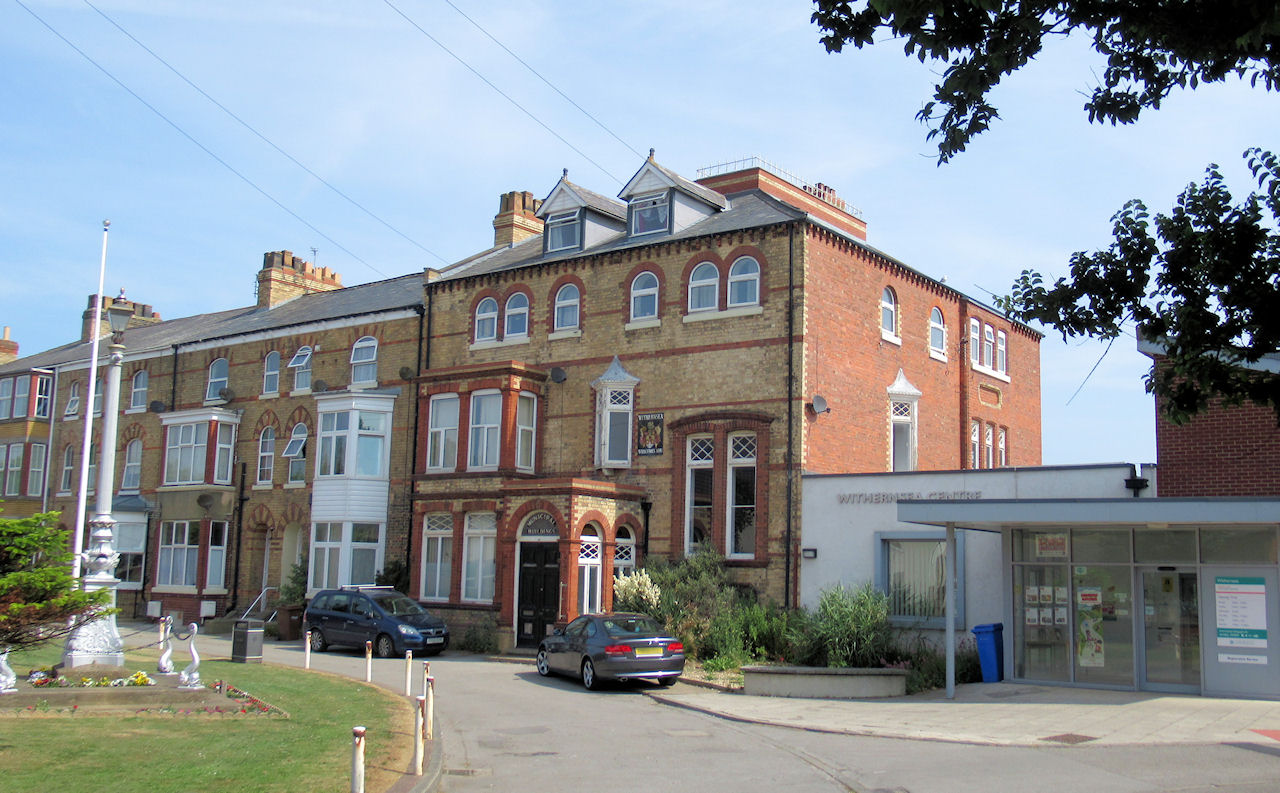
(293, 592)
(852, 627)
(480, 636)
(394, 574)
(693, 592)
(636, 592)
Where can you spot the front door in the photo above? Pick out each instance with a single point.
(538, 605)
(1170, 630)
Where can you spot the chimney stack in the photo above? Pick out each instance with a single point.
(142, 315)
(8, 348)
(284, 276)
(516, 218)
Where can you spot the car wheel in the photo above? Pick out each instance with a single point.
(318, 643)
(589, 679)
(544, 664)
(383, 646)
(667, 682)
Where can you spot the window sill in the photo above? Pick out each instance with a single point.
(262, 486)
(568, 333)
(215, 590)
(174, 590)
(641, 324)
(271, 395)
(300, 392)
(362, 386)
(489, 345)
(990, 372)
(891, 338)
(937, 356)
(294, 485)
(135, 411)
(728, 313)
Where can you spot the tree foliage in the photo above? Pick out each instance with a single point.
(39, 600)
(1151, 47)
(1203, 281)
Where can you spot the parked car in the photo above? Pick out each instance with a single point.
(393, 621)
(598, 647)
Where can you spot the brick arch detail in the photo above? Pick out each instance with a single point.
(133, 432)
(722, 280)
(296, 513)
(659, 273)
(567, 278)
(755, 253)
(267, 419)
(592, 516)
(261, 515)
(300, 415)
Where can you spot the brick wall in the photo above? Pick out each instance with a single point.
(1225, 451)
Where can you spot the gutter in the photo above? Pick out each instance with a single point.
(791, 410)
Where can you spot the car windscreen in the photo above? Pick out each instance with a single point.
(400, 605)
(621, 627)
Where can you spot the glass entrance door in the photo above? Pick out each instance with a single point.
(1170, 630)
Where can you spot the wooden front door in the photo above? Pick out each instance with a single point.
(539, 601)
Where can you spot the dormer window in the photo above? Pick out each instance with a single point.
(563, 231)
(650, 213)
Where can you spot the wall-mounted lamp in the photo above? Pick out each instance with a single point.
(819, 405)
(808, 553)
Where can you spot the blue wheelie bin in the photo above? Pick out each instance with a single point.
(990, 639)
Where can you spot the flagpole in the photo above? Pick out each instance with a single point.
(82, 494)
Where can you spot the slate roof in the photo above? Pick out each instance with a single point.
(401, 292)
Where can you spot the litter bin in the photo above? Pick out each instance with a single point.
(990, 650)
(246, 641)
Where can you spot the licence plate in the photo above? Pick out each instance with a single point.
(648, 652)
(435, 640)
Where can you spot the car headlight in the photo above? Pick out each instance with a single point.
(409, 630)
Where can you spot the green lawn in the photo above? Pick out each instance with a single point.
(308, 751)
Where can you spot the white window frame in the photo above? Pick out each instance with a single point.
(6, 397)
(486, 320)
(300, 363)
(215, 570)
(266, 456)
(590, 551)
(442, 432)
(224, 453)
(190, 441)
(615, 403)
(902, 418)
(370, 451)
(479, 557)
(988, 347)
(702, 286)
(437, 556)
(739, 275)
(1002, 447)
(1002, 352)
(526, 430)
(884, 578)
(130, 542)
(68, 469)
(271, 374)
(356, 546)
(988, 445)
(739, 459)
(567, 309)
(296, 452)
(517, 310)
(37, 459)
(13, 474)
(334, 435)
(937, 334)
(556, 226)
(138, 390)
(975, 444)
(657, 203)
(21, 396)
(326, 555)
(889, 315)
(219, 373)
(73, 399)
(131, 478)
(44, 396)
(97, 396)
(975, 342)
(92, 470)
(624, 552)
(640, 293)
(484, 441)
(178, 553)
(700, 455)
(364, 361)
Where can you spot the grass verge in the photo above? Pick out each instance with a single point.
(177, 753)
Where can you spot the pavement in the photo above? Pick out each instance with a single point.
(994, 714)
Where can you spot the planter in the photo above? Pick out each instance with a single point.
(816, 682)
(289, 622)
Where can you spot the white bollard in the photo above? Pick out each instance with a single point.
(357, 759)
(426, 673)
(418, 727)
(368, 662)
(431, 708)
(408, 673)
(306, 650)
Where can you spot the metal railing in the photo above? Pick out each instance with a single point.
(257, 600)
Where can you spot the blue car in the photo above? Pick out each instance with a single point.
(393, 621)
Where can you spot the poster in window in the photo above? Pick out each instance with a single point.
(1051, 546)
(649, 434)
(1090, 649)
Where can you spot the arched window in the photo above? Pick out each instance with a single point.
(589, 571)
(624, 552)
(217, 379)
(937, 333)
(566, 308)
(517, 323)
(744, 282)
(300, 363)
(364, 360)
(266, 455)
(888, 313)
(132, 476)
(296, 452)
(138, 391)
(68, 469)
(988, 346)
(644, 297)
(487, 320)
(73, 399)
(271, 373)
(704, 288)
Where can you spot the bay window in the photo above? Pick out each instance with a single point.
(483, 443)
(216, 563)
(526, 419)
(178, 554)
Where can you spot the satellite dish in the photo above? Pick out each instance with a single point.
(226, 394)
(319, 386)
(819, 404)
(558, 375)
(156, 407)
(406, 373)
(205, 500)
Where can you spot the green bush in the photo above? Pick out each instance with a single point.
(852, 627)
(480, 636)
(636, 592)
(693, 592)
(394, 574)
(293, 592)
(926, 664)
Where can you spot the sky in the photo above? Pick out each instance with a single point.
(381, 134)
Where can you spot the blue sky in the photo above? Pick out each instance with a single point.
(366, 100)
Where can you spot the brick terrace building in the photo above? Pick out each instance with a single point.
(622, 379)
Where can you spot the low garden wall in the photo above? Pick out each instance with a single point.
(823, 682)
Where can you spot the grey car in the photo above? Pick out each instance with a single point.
(616, 646)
